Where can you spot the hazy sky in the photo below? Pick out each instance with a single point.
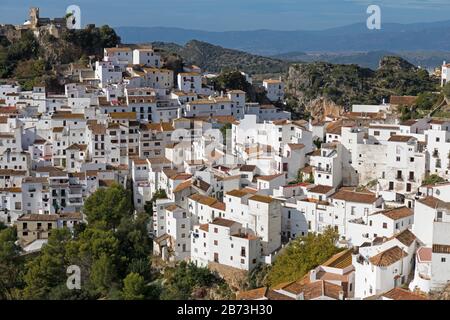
(220, 15)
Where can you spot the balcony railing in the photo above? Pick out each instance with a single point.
(322, 169)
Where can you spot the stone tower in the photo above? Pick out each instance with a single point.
(34, 17)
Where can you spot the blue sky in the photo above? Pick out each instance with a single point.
(220, 15)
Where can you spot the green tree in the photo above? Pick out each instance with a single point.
(105, 208)
(224, 131)
(301, 255)
(11, 264)
(96, 253)
(159, 194)
(182, 280)
(446, 90)
(48, 270)
(233, 80)
(426, 100)
(102, 275)
(134, 287)
(318, 143)
(135, 245)
(433, 179)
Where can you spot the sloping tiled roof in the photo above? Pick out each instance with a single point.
(262, 294)
(270, 177)
(261, 198)
(314, 290)
(397, 213)
(388, 257)
(406, 237)
(208, 201)
(435, 203)
(321, 189)
(402, 294)
(397, 138)
(354, 196)
(340, 260)
(223, 222)
(184, 185)
(240, 193)
(403, 100)
(247, 168)
(38, 217)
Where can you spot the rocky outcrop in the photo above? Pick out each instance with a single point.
(322, 88)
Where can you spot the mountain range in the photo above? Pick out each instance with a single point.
(392, 37)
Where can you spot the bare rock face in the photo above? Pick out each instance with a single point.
(322, 107)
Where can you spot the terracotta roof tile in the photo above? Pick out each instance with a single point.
(354, 196)
(223, 222)
(388, 257)
(402, 294)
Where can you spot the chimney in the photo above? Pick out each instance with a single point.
(312, 275)
(341, 295)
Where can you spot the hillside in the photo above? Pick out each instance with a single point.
(216, 59)
(34, 60)
(425, 59)
(345, 85)
(356, 37)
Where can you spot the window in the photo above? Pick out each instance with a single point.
(384, 225)
(216, 243)
(443, 259)
(376, 133)
(216, 230)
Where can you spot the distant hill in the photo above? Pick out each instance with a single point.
(216, 59)
(424, 59)
(356, 37)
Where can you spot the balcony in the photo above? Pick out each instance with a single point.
(76, 202)
(322, 169)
